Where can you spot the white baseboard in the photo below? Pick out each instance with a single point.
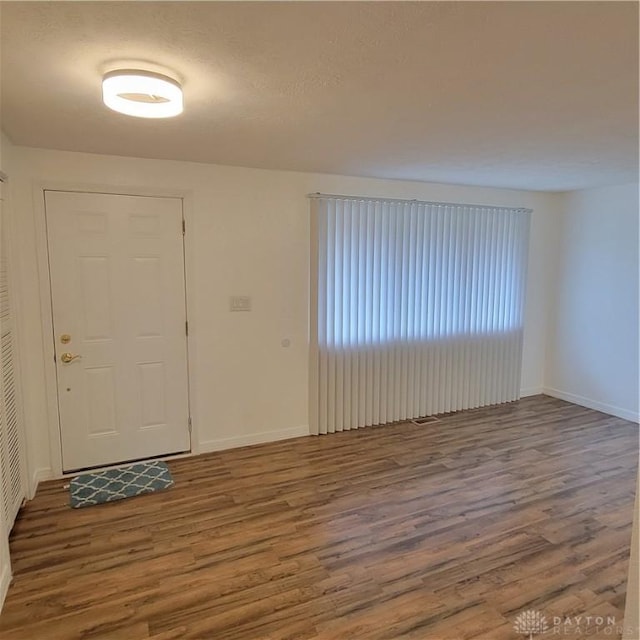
(5, 580)
(38, 476)
(531, 391)
(252, 438)
(592, 404)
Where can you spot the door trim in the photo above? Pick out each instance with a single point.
(46, 315)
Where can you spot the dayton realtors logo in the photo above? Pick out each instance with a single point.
(533, 623)
(530, 622)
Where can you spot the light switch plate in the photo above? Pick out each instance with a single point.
(240, 303)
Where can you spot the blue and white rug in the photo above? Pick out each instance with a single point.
(115, 484)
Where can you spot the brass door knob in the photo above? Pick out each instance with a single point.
(69, 357)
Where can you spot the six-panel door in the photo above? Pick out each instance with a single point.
(118, 297)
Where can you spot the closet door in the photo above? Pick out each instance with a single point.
(12, 466)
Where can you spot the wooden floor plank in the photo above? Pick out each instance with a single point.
(446, 530)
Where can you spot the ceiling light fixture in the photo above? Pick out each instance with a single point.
(142, 94)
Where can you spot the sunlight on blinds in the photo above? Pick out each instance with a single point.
(418, 308)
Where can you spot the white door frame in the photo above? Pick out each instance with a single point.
(48, 347)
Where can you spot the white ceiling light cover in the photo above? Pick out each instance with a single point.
(142, 94)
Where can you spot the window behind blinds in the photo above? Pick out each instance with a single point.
(417, 309)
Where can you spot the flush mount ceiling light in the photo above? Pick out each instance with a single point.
(143, 94)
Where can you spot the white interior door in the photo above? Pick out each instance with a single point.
(119, 319)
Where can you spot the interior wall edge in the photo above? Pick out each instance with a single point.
(531, 391)
(219, 444)
(553, 287)
(590, 403)
(591, 354)
(38, 476)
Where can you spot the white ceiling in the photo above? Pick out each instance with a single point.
(534, 95)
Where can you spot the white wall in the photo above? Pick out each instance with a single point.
(248, 234)
(6, 152)
(592, 356)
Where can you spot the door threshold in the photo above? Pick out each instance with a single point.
(115, 465)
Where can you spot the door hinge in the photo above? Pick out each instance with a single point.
(186, 327)
(189, 423)
(184, 227)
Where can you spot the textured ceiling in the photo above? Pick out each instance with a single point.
(535, 95)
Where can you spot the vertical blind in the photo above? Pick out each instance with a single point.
(417, 309)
